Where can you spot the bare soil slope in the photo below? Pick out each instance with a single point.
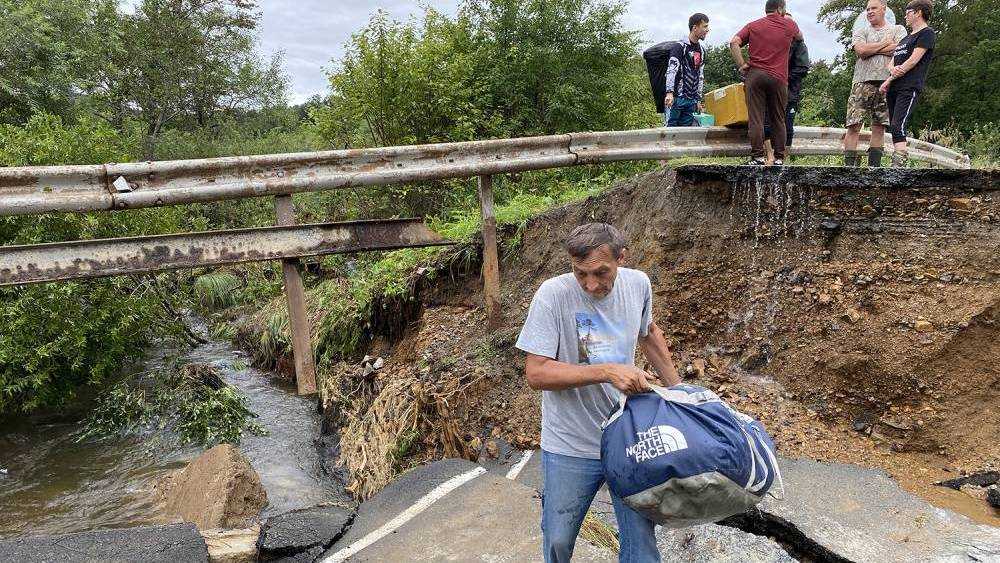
(860, 324)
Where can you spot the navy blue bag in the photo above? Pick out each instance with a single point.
(681, 456)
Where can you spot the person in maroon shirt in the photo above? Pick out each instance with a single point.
(766, 75)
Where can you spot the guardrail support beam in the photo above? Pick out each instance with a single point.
(491, 260)
(298, 314)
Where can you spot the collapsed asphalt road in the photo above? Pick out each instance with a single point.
(456, 510)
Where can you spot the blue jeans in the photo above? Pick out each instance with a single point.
(570, 484)
(681, 114)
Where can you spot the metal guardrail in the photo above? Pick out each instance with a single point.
(112, 257)
(34, 190)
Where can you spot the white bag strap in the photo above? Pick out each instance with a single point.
(753, 462)
(777, 471)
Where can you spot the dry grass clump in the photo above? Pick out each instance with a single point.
(396, 419)
(600, 533)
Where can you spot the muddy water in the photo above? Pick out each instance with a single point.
(52, 484)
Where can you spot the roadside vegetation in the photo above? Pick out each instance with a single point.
(88, 81)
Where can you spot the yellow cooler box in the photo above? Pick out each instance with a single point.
(728, 105)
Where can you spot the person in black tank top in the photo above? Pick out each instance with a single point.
(910, 63)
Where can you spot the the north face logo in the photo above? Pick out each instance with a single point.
(657, 441)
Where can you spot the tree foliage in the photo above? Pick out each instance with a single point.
(500, 68)
(182, 60)
(44, 60)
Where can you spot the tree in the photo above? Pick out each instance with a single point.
(720, 70)
(175, 60)
(43, 62)
(500, 68)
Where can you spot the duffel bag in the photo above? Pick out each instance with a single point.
(681, 456)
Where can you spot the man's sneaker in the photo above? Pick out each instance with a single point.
(779, 162)
(756, 161)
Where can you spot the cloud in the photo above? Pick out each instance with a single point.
(312, 33)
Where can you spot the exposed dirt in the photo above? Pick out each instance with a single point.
(859, 325)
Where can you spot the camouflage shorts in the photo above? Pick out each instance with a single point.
(866, 101)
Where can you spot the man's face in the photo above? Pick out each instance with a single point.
(596, 273)
(875, 12)
(911, 16)
(700, 31)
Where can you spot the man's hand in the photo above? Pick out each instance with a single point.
(668, 100)
(896, 71)
(885, 86)
(627, 379)
(701, 107)
(744, 69)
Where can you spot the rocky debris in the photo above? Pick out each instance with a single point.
(842, 512)
(153, 544)
(302, 532)
(993, 496)
(923, 325)
(371, 364)
(232, 546)
(981, 479)
(711, 543)
(974, 491)
(219, 489)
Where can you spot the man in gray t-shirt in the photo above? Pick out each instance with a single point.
(580, 336)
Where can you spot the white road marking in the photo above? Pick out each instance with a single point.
(392, 525)
(516, 470)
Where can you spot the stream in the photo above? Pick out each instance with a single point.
(51, 484)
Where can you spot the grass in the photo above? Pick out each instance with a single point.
(600, 533)
(218, 290)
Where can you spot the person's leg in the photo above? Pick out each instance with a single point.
(569, 485)
(756, 102)
(855, 119)
(901, 110)
(681, 113)
(880, 119)
(673, 114)
(635, 534)
(793, 108)
(686, 117)
(777, 102)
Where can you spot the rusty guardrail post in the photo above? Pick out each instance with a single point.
(298, 318)
(491, 260)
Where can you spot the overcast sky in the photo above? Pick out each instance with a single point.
(311, 33)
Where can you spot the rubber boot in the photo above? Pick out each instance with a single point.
(875, 157)
(899, 159)
(852, 158)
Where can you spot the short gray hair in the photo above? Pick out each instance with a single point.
(586, 238)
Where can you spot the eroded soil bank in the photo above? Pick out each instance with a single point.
(857, 314)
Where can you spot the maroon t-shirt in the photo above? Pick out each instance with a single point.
(770, 39)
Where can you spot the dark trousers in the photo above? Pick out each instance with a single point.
(901, 103)
(790, 112)
(766, 94)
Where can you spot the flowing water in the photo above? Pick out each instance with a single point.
(50, 484)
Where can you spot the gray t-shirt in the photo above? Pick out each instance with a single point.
(567, 325)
